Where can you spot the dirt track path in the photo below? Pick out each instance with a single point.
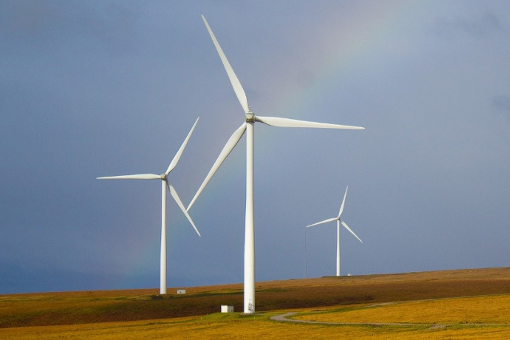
(284, 318)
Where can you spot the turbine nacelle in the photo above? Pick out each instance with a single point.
(250, 117)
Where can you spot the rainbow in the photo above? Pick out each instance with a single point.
(352, 41)
(343, 50)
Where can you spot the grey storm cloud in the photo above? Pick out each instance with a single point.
(501, 102)
(48, 24)
(475, 26)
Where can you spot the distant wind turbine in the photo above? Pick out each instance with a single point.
(164, 185)
(248, 125)
(338, 222)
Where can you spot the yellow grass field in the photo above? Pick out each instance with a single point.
(462, 304)
(242, 327)
(492, 310)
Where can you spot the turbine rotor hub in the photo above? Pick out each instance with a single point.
(250, 117)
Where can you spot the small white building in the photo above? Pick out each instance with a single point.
(227, 309)
(181, 291)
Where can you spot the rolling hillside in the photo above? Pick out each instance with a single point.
(67, 308)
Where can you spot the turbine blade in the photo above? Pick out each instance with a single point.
(179, 203)
(352, 232)
(174, 161)
(287, 122)
(236, 84)
(343, 203)
(139, 176)
(231, 143)
(321, 222)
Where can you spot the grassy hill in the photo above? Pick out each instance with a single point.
(68, 308)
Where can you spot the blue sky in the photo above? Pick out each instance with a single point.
(102, 88)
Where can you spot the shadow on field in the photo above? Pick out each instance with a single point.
(144, 304)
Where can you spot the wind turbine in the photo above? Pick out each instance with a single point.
(164, 185)
(248, 126)
(338, 222)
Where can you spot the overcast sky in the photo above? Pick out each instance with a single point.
(101, 88)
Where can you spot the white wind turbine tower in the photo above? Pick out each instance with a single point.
(248, 125)
(338, 222)
(164, 185)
